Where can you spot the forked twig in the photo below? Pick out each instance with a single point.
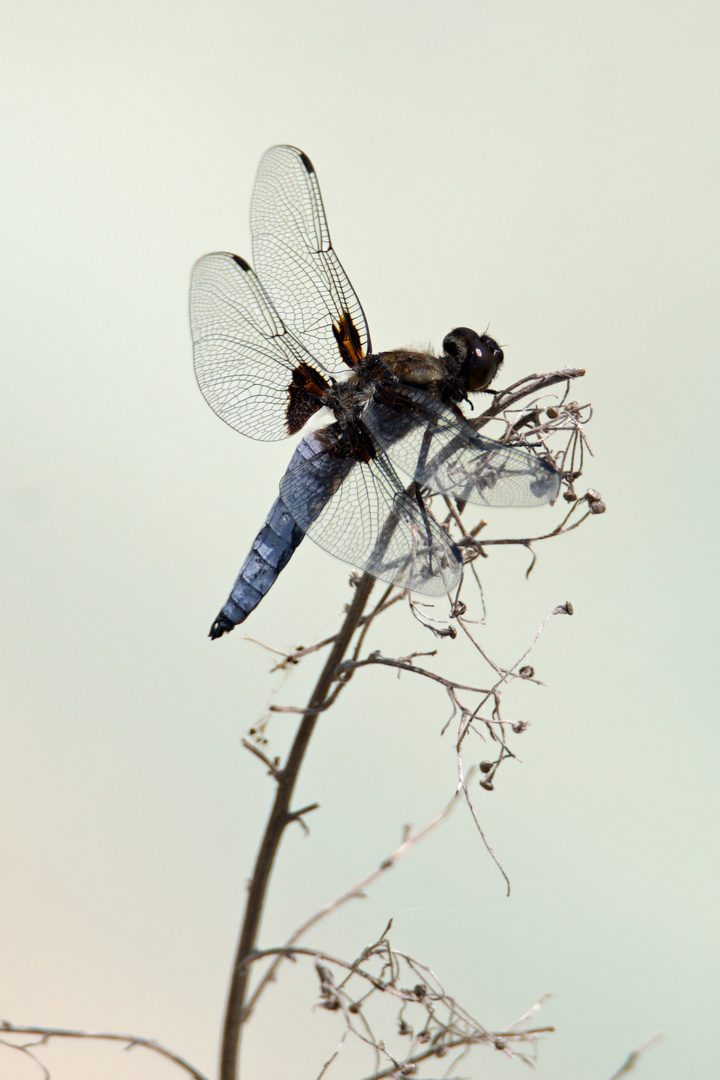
(431, 1020)
(357, 891)
(131, 1041)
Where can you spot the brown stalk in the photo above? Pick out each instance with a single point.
(280, 817)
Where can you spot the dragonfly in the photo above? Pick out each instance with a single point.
(288, 343)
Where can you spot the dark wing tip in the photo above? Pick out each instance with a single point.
(222, 625)
(546, 482)
(241, 262)
(306, 162)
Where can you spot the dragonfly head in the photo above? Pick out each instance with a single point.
(476, 357)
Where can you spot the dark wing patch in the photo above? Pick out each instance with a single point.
(442, 451)
(294, 258)
(305, 394)
(348, 340)
(251, 370)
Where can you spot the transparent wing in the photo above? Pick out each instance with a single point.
(358, 512)
(443, 452)
(294, 259)
(244, 356)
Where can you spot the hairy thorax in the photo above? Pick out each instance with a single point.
(415, 368)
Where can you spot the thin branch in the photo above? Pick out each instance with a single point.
(634, 1057)
(289, 658)
(596, 507)
(357, 891)
(452, 1044)
(272, 766)
(290, 952)
(131, 1041)
(513, 671)
(382, 605)
(278, 820)
(467, 721)
(387, 985)
(444, 1025)
(463, 786)
(407, 665)
(530, 384)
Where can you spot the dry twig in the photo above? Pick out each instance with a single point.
(45, 1034)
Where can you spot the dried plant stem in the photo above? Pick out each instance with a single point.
(46, 1034)
(280, 817)
(409, 841)
(530, 384)
(633, 1058)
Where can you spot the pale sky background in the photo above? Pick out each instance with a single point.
(549, 169)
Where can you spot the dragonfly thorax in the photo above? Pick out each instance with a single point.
(416, 368)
